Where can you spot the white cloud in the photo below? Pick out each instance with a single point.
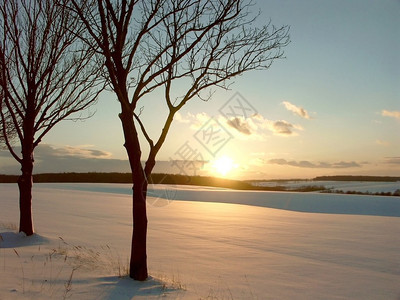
(393, 114)
(296, 110)
(253, 127)
(179, 118)
(280, 127)
(196, 121)
(240, 125)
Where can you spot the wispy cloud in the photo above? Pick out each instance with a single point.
(391, 113)
(308, 164)
(393, 160)
(301, 112)
(47, 150)
(257, 161)
(382, 143)
(52, 159)
(83, 151)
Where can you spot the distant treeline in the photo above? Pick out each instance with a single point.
(200, 181)
(8, 178)
(160, 178)
(157, 178)
(126, 178)
(73, 177)
(95, 177)
(357, 178)
(395, 193)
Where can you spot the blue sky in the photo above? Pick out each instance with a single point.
(330, 107)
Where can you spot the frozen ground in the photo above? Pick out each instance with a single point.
(199, 248)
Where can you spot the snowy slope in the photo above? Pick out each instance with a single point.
(197, 249)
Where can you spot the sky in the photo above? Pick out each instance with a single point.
(330, 107)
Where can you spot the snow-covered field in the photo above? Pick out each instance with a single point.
(357, 186)
(203, 243)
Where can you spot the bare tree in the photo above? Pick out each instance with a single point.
(149, 45)
(8, 132)
(46, 77)
(6, 129)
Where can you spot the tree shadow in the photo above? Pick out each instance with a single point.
(127, 288)
(19, 239)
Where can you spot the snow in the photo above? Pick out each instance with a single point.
(203, 243)
(357, 186)
(304, 202)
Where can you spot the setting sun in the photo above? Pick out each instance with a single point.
(223, 165)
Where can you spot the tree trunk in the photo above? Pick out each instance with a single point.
(25, 183)
(138, 260)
